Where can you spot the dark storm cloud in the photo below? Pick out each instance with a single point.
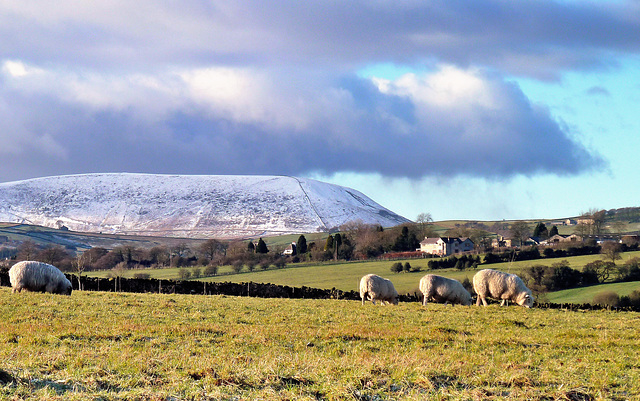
(523, 37)
(271, 87)
(448, 123)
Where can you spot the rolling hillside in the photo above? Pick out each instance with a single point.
(188, 206)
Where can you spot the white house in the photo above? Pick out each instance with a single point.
(290, 250)
(445, 246)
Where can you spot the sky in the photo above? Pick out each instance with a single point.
(475, 110)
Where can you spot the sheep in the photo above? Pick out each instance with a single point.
(375, 287)
(499, 285)
(438, 289)
(38, 276)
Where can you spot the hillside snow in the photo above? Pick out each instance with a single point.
(198, 206)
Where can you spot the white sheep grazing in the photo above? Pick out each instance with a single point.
(38, 276)
(442, 289)
(375, 287)
(499, 285)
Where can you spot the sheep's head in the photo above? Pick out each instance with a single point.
(64, 288)
(526, 300)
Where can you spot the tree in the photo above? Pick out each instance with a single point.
(553, 231)
(118, 271)
(128, 253)
(337, 243)
(211, 247)
(251, 247)
(328, 246)
(301, 245)
(27, 250)
(598, 218)
(92, 256)
(159, 255)
(211, 270)
(403, 241)
(261, 247)
(520, 232)
(424, 222)
(53, 255)
(180, 249)
(600, 268)
(541, 231)
(611, 251)
(80, 264)
(237, 266)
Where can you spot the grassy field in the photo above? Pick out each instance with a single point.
(586, 294)
(112, 346)
(346, 276)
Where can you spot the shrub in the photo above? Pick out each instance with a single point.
(396, 267)
(184, 274)
(606, 298)
(237, 266)
(142, 276)
(632, 299)
(407, 267)
(196, 272)
(211, 270)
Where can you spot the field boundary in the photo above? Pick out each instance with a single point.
(258, 290)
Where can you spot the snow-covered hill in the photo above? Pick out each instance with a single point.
(188, 206)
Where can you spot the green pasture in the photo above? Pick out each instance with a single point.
(586, 294)
(116, 346)
(345, 276)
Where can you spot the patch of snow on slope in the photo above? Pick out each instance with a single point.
(190, 206)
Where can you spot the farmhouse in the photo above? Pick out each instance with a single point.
(501, 242)
(445, 246)
(290, 250)
(556, 239)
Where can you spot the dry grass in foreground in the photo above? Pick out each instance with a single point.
(158, 347)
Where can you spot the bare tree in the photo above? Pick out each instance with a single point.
(52, 254)
(425, 222)
(180, 249)
(159, 255)
(582, 230)
(611, 251)
(80, 264)
(212, 247)
(27, 250)
(119, 271)
(596, 220)
(520, 231)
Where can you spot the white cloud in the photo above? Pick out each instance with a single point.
(18, 69)
(450, 121)
(448, 87)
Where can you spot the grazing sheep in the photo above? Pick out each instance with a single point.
(375, 287)
(442, 289)
(499, 285)
(38, 276)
